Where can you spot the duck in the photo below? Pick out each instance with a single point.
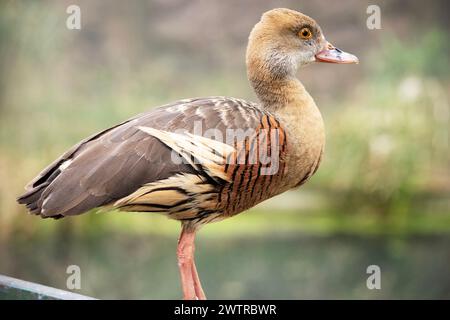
(202, 160)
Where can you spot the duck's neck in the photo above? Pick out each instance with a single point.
(277, 94)
(277, 91)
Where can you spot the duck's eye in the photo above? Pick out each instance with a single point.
(305, 33)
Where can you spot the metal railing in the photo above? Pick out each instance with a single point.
(16, 289)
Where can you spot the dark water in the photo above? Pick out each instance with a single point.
(267, 267)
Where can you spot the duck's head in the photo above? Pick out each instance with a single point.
(284, 39)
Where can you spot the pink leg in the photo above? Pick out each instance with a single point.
(197, 285)
(190, 281)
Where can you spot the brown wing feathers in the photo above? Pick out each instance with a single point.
(131, 165)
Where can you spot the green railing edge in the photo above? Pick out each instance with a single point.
(16, 289)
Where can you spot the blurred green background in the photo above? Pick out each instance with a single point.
(380, 197)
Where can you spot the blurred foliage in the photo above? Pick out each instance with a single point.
(426, 55)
